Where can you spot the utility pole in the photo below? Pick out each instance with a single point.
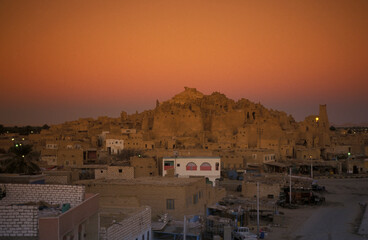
(290, 188)
(185, 228)
(257, 209)
(312, 170)
(310, 158)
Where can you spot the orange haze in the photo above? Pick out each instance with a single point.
(61, 60)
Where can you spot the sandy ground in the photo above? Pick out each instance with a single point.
(340, 218)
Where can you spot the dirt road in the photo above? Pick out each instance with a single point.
(339, 219)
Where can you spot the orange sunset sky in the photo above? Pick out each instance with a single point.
(62, 60)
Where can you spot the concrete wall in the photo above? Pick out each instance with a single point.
(52, 194)
(70, 157)
(80, 220)
(17, 221)
(156, 195)
(144, 167)
(232, 163)
(249, 189)
(137, 226)
(115, 172)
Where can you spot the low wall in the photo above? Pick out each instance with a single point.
(17, 221)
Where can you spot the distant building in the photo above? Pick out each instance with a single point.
(114, 146)
(144, 167)
(208, 167)
(115, 172)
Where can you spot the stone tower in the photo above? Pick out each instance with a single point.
(323, 118)
(324, 126)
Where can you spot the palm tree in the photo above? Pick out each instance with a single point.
(20, 160)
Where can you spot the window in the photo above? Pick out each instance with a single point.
(217, 166)
(178, 165)
(170, 203)
(195, 198)
(205, 166)
(168, 165)
(120, 170)
(188, 201)
(191, 166)
(101, 171)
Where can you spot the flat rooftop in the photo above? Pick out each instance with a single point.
(166, 181)
(110, 216)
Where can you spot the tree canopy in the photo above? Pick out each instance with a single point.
(20, 160)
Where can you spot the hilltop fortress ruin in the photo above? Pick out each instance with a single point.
(192, 120)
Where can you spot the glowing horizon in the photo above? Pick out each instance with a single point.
(62, 60)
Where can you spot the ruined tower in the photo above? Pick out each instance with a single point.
(323, 118)
(324, 126)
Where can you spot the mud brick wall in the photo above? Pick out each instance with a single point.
(52, 194)
(16, 221)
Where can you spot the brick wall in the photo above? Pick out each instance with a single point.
(130, 228)
(16, 221)
(53, 194)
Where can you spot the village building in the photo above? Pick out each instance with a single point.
(144, 167)
(114, 146)
(174, 196)
(208, 167)
(115, 172)
(38, 211)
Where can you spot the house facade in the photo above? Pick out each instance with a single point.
(208, 167)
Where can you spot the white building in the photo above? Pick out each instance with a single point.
(114, 146)
(209, 167)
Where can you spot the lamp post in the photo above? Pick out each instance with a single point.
(290, 188)
(311, 162)
(257, 209)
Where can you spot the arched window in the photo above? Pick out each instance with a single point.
(191, 166)
(205, 166)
